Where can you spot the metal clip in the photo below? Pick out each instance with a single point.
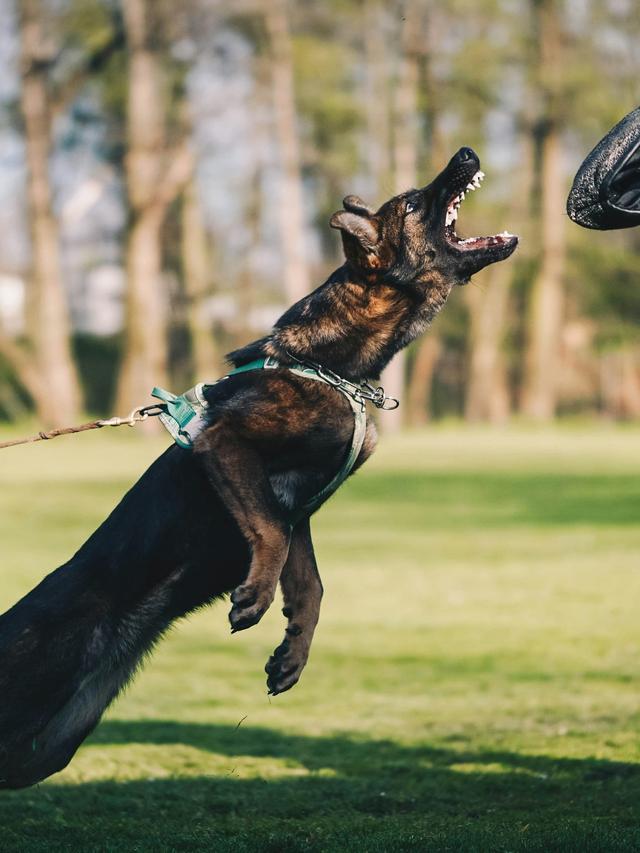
(389, 404)
(329, 376)
(378, 397)
(140, 413)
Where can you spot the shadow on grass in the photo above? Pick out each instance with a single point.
(386, 795)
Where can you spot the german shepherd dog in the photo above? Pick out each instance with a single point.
(205, 521)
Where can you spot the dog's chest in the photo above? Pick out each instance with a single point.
(295, 486)
(288, 487)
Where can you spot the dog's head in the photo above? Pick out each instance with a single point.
(412, 237)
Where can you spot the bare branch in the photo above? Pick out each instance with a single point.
(67, 91)
(176, 177)
(24, 367)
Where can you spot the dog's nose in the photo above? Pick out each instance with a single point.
(466, 154)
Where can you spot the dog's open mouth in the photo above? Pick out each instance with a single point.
(466, 244)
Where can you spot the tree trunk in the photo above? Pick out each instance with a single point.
(487, 397)
(420, 379)
(50, 327)
(419, 391)
(405, 124)
(377, 102)
(145, 357)
(29, 375)
(405, 159)
(545, 316)
(154, 177)
(431, 88)
(290, 204)
(620, 383)
(198, 284)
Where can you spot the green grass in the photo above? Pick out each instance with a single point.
(473, 684)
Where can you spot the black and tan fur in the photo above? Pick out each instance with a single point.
(201, 523)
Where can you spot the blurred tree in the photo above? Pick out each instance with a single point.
(49, 85)
(405, 141)
(422, 369)
(290, 205)
(428, 349)
(487, 395)
(56, 391)
(199, 280)
(378, 32)
(377, 99)
(547, 70)
(331, 117)
(483, 45)
(355, 96)
(155, 175)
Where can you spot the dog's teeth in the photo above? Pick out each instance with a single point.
(452, 215)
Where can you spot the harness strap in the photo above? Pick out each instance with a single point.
(184, 416)
(357, 440)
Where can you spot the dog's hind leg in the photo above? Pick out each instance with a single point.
(53, 748)
(302, 592)
(239, 476)
(92, 658)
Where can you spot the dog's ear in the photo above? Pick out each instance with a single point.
(355, 204)
(357, 225)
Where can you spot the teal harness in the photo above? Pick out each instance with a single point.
(184, 416)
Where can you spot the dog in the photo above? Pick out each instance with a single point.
(217, 517)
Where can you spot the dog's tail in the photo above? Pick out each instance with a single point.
(65, 653)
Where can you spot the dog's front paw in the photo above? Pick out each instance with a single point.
(250, 603)
(285, 665)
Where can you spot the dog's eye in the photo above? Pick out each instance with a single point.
(410, 207)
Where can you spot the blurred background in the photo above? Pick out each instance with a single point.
(167, 172)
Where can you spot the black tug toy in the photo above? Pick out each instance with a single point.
(606, 189)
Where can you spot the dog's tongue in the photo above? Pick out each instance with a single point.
(485, 242)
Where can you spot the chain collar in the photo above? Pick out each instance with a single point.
(360, 391)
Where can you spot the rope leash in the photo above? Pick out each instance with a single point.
(140, 413)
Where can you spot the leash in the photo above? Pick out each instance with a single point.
(140, 413)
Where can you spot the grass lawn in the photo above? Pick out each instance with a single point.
(474, 683)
